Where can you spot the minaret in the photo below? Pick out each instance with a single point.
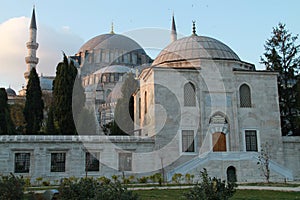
(173, 30)
(31, 60)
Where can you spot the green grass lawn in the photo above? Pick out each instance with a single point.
(240, 194)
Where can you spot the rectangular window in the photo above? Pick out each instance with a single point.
(58, 162)
(125, 161)
(22, 162)
(92, 162)
(188, 143)
(251, 140)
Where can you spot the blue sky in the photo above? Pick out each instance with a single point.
(242, 25)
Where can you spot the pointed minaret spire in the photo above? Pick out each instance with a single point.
(173, 30)
(33, 22)
(31, 60)
(194, 28)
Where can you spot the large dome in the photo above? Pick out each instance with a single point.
(195, 47)
(111, 41)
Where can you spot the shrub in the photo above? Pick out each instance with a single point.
(143, 179)
(104, 180)
(176, 178)
(115, 178)
(39, 180)
(90, 188)
(156, 178)
(211, 189)
(46, 183)
(11, 187)
(189, 178)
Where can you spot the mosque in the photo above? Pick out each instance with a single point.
(198, 106)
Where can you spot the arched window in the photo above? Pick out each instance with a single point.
(245, 96)
(189, 94)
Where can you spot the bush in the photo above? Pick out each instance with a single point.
(11, 187)
(46, 183)
(90, 188)
(189, 178)
(104, 180)
(176, 178)
(211, 189)
(143, 179)
(156, 178)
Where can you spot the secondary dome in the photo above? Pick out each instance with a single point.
(111, 41)
(10, 92)
(195, 47)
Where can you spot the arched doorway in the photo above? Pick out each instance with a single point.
(219, 141)
(231, 174)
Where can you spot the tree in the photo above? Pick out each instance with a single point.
(124, 109)
(211, 189)
(34, 105)
(50, 126)
(17, 116)
(264, 161)
(11, 187)
(281, 55)
(63, 85)
(6, 124)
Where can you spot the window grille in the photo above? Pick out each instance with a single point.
(245, 96)
(188, 144)
(189, 95)
(22, 162)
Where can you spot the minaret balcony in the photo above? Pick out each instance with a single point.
(32, 45)
(31, 60)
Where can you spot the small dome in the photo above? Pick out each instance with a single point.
(195, 47)
(111, 41)
(10, 92)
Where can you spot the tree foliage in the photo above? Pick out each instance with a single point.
(124, 109)
(264, 160)
(50, 125)
(211, 189)
(90, 188)
(17, 117)
(281, 55)
(6, 124)
(63, 84)
(34, 105)
(11, 187)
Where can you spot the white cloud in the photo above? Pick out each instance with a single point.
(14, 34)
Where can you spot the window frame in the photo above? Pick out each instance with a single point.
(258, 142)
(95, 158)
(243, 103)
(52, 165)
(190, 131)
(27, 163)
(186, 93)
(127, 158)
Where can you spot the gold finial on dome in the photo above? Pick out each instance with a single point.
(112, 28)
(194, 27)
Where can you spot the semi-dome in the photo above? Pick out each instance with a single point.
(111, 41)
(195, 47)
